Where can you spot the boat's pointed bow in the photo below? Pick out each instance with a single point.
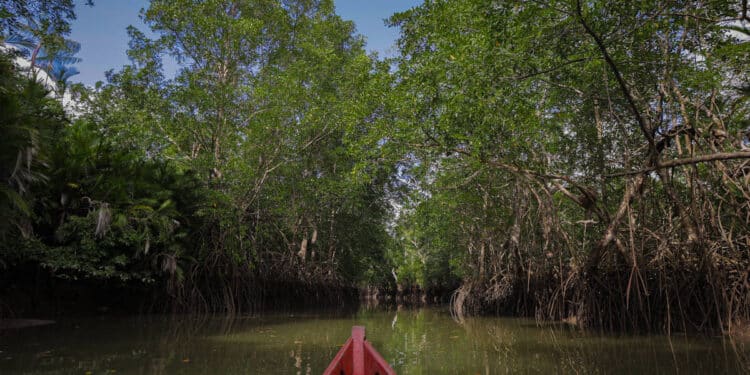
(358, 357)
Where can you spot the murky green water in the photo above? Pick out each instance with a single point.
(422, 341)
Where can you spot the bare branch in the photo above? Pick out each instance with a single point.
(642, 122)
(688, 161)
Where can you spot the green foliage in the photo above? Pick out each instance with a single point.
(110, 213)
(106, 213)
(528, 123)
(265, 128)
(37, 30)
(510, 144)
(54, 15)
(29, 121)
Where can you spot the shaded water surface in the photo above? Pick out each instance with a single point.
(424, 341)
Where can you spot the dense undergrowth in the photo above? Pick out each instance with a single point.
(236, 185)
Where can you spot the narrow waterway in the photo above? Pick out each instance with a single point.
(423, 341)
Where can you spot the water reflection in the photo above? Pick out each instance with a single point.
(424, 341)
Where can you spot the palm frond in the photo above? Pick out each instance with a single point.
(61, 72)
(44, 58)
(22, 41)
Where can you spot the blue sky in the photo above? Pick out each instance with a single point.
(101, 30)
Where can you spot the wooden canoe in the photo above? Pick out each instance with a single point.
(358, 357)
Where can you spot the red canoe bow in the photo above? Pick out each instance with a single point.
(358, 357)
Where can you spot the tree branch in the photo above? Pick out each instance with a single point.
(642, 122)
(545, 71)
(688, 161)
(588, 203)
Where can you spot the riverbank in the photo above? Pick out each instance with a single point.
(33, 292)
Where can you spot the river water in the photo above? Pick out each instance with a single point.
(422, 341)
